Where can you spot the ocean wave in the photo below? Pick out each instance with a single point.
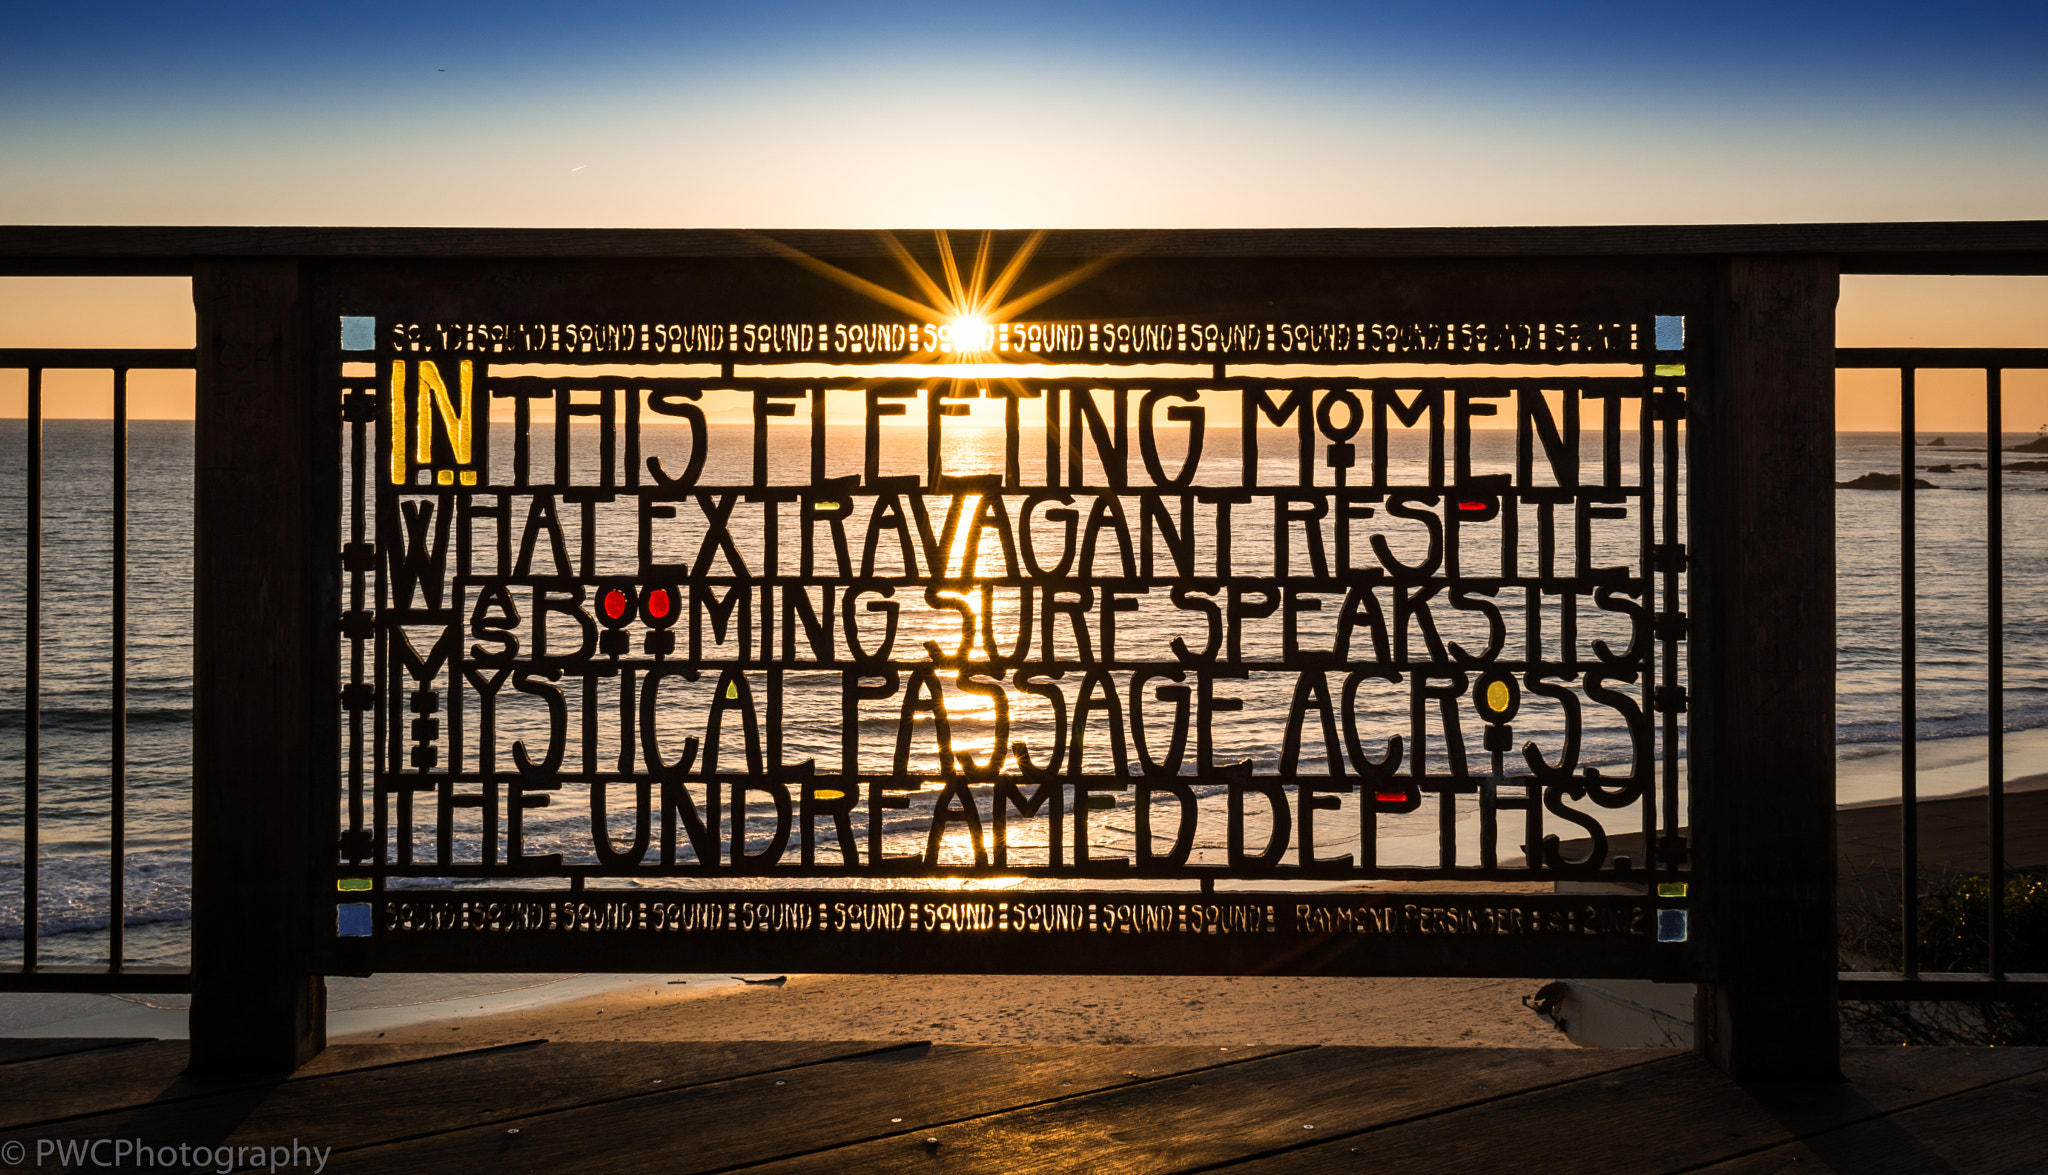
(73, 896)
(1935, 727)
(94, 720)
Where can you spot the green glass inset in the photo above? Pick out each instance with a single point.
(352, 884)
(1670, 369)
(1671, 889)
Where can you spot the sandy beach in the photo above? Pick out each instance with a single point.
(1003, 1009)
(1223, 1011)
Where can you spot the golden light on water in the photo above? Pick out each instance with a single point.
(958, 847)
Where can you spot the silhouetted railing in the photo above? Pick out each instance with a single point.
(117, 976)
(1910, 982)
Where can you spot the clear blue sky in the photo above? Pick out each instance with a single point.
(1053, 114)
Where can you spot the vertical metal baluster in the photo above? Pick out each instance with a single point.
(1909, 718)
(1646, 506)
(1994, 549)
(359, 458)
(32, 702)
(1672, 601)
(382, 735)
(117, 874)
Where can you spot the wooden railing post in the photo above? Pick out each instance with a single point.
(1762, 728)
(263, 670)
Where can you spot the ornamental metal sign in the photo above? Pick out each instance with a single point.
(967, 634)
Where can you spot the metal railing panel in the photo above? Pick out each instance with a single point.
(428, 804)
(1910, 982)
(117, 975)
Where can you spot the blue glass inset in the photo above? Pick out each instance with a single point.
(352, 920)
(1670, 332)
(360, 334)
(1671, 926)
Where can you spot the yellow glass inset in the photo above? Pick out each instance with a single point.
(456, 422)
(1497, 696)
(732, 689)
(1671, 369)
(469, 477)
(829, 793)
(352, 884)
(445, 477)
(826, 507)
(1671, 889)
(396, 399)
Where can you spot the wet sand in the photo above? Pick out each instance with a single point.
(1952, 833)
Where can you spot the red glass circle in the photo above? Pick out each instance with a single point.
(615, 603)
(657, 603)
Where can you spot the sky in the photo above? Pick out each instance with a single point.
(1055, 114)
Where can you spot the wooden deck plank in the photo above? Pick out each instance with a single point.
(35, 1048)
(1989, 1130)
(122, 1074)
(103, 1079)
(366, 1106)
(899, 1094)
(345, 1058)
(763, 1105)
(1231, 1113)
(1671, 1116)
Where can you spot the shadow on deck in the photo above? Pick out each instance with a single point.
(854, 1106)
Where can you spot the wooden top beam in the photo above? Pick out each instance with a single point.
(1986, 247)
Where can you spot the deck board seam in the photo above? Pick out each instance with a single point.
(508, 1046)
(1333, 1139)
(116, 1042)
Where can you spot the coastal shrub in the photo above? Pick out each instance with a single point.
(1954, 925)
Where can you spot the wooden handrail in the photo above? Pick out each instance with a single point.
(1981, 247)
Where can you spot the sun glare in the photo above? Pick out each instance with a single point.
(967, 312)
(967, 334)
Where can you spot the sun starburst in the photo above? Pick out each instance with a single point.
(964, 308)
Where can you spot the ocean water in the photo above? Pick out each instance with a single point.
(76, 645)
(77, 648)
(1951, 580)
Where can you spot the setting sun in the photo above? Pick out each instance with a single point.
(968, 334)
